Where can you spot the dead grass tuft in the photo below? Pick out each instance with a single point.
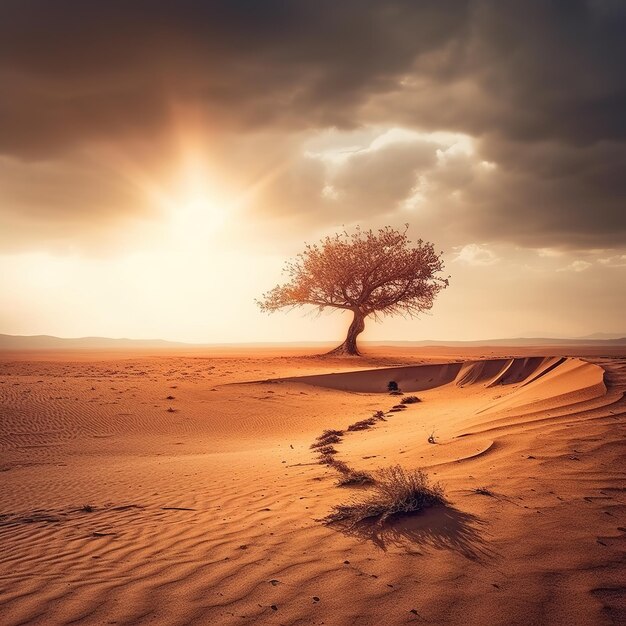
(340, 466)
(326, 442)
(363, 424)
(395, 492)
(325, 459)
(410, 400)
(355, 477)
(327, 450)
(330, 433)
(327, 437)
(326, 455)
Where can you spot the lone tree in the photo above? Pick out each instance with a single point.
(366, 272)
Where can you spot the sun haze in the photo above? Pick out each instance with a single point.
(162, 156)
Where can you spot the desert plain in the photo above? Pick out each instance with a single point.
(180, 487)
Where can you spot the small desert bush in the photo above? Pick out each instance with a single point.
(320, 443)
(392, 385)
(326, 455)
(339, 466)
(327, 450)
(379, 415)
(349, 476)
(484, 491)
(395, 492)
(325, 459)
(396, 393)
(330, 433)
(355, 477)
(363, 424)
(410, 400)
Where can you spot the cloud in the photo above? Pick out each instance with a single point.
(576, 266)
(54, 204)
(347, 110)
(618, 260)
(77, 72)
(476, 254)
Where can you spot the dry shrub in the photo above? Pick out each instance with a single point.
(326, 455)
(395, 492)
(330, 433)
(320, 443)
(340, 466)
(355, 477)
(363, 424)
(410, 400)
(327, 450)
(325, 459)
(349, 476)
(327, 437)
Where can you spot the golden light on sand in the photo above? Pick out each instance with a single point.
(178, 472)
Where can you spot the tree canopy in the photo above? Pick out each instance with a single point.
(369, 273)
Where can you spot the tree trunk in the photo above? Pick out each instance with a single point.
(349, 347)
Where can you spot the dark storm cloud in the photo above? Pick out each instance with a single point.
(539, 84)
(532, 70)
(554, 192)
(72, 71)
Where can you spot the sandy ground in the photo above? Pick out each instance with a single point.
(119, 505)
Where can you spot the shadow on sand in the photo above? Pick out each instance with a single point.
(440, 527)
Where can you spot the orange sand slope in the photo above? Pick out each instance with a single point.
(569, 374)
(161, 490)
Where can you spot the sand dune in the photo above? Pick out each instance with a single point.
(488, 372)
(163, 490)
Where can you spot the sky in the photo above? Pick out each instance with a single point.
(160, 161)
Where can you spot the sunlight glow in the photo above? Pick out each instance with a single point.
(196, 207)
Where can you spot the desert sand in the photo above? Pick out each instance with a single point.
(180, 488)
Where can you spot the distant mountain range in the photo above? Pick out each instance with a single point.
(605, 336)
(47, 342)
(513, 341)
